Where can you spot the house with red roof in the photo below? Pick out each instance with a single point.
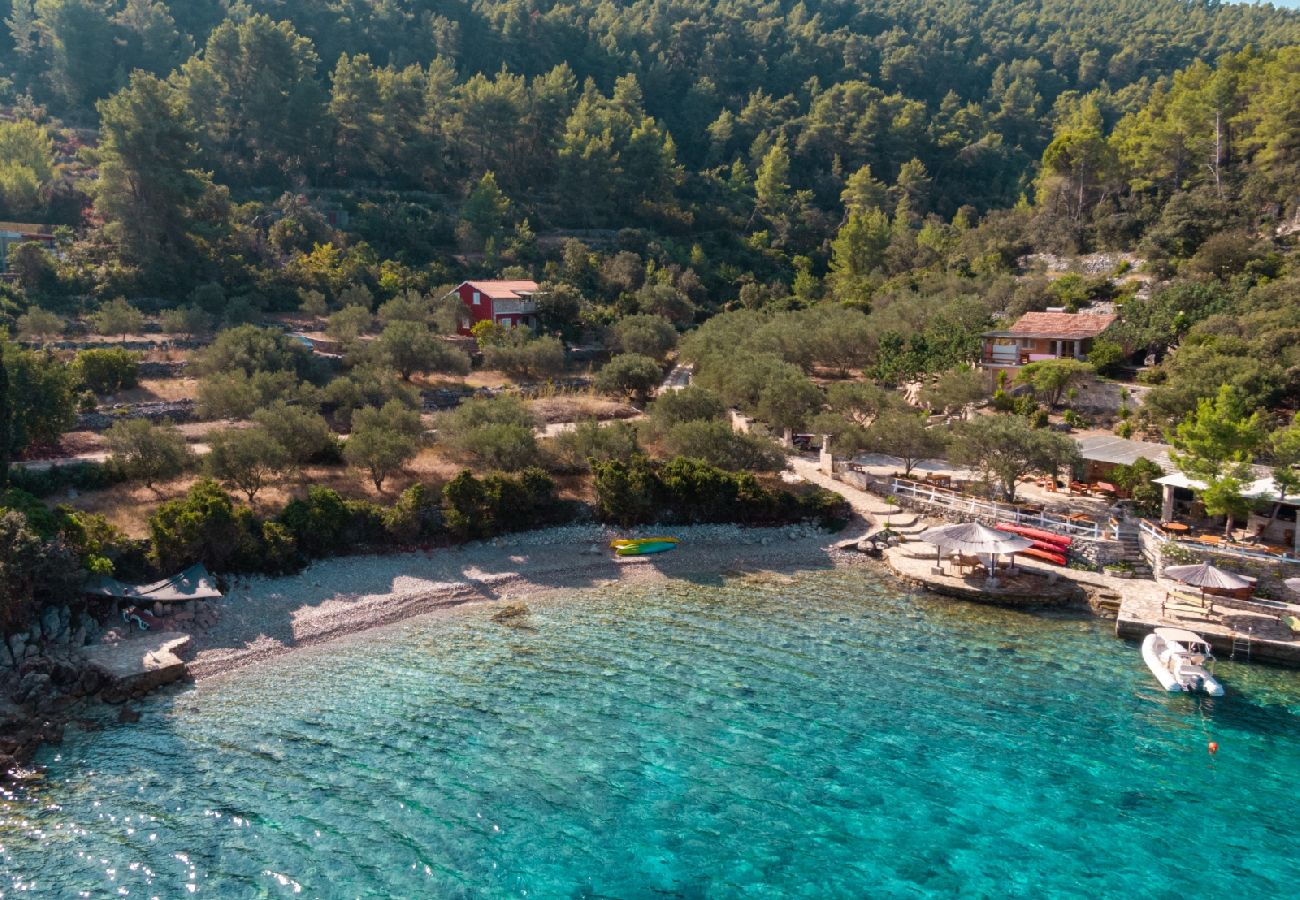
(1043, 335)
(508, 303)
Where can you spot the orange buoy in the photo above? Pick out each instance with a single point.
(1214, 747)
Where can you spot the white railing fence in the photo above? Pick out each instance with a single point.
(954, 502)
(1241, 551)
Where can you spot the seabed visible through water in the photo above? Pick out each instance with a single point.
(829, 735)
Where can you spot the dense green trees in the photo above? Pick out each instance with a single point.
(108, 370)
(26, 166)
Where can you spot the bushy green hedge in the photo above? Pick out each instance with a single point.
(686, 490)
(498, 503)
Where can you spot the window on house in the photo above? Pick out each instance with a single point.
(477, 297)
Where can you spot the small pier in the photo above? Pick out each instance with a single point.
(1025, 587)
(1243, 631)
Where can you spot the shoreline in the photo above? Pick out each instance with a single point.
(262, 618)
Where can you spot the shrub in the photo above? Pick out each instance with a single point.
(107, 371)
(203, 526)
(495, 432)
(32, 570)
(690, 490)
(349, 323)
(416, 514)
(277, 551)
(718, 445)
(251, 349)
(575, 449)
(690, 404)
(500, 446)
(627, 493)
(535, 358)
(318, 524)
(79, 476)
(1106, 356)
(479, 508)
(367, 386)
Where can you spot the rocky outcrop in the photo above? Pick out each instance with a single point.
(66, 659)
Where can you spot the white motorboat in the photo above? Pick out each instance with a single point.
(1181, 661)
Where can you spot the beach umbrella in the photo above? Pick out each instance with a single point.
(972, 537)
(1203, 575)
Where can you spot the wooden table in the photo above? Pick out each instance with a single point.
(1175, 528)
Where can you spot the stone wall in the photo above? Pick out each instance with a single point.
(1108, 396)
(103, 417)
(1097, 553)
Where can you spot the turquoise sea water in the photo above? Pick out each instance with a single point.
(826, 737)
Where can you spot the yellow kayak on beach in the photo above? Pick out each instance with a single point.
(620, 543)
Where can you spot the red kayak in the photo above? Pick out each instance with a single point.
(1036, 534)
(1044, 555)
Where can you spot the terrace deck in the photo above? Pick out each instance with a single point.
(1227, 629)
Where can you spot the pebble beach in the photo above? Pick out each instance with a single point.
(264, 617)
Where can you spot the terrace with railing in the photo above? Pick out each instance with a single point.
(951, 503)
(1162, 534)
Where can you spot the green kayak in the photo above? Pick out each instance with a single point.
(644, 548)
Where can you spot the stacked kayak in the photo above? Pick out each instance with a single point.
(642, 546)
(1047, 545)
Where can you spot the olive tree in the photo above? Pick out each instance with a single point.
(410, 347)
(147, 452)
(629, 375)
(1005, 448)
(905, 435)
(117, 317)
(383, 439)
(247, 458)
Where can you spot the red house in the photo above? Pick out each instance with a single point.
(508, 303)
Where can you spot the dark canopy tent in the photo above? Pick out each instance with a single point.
(195, 583)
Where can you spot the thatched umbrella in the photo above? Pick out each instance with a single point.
(972, 537)
(1203, 575)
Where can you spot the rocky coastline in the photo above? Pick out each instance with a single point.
(74, 664)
